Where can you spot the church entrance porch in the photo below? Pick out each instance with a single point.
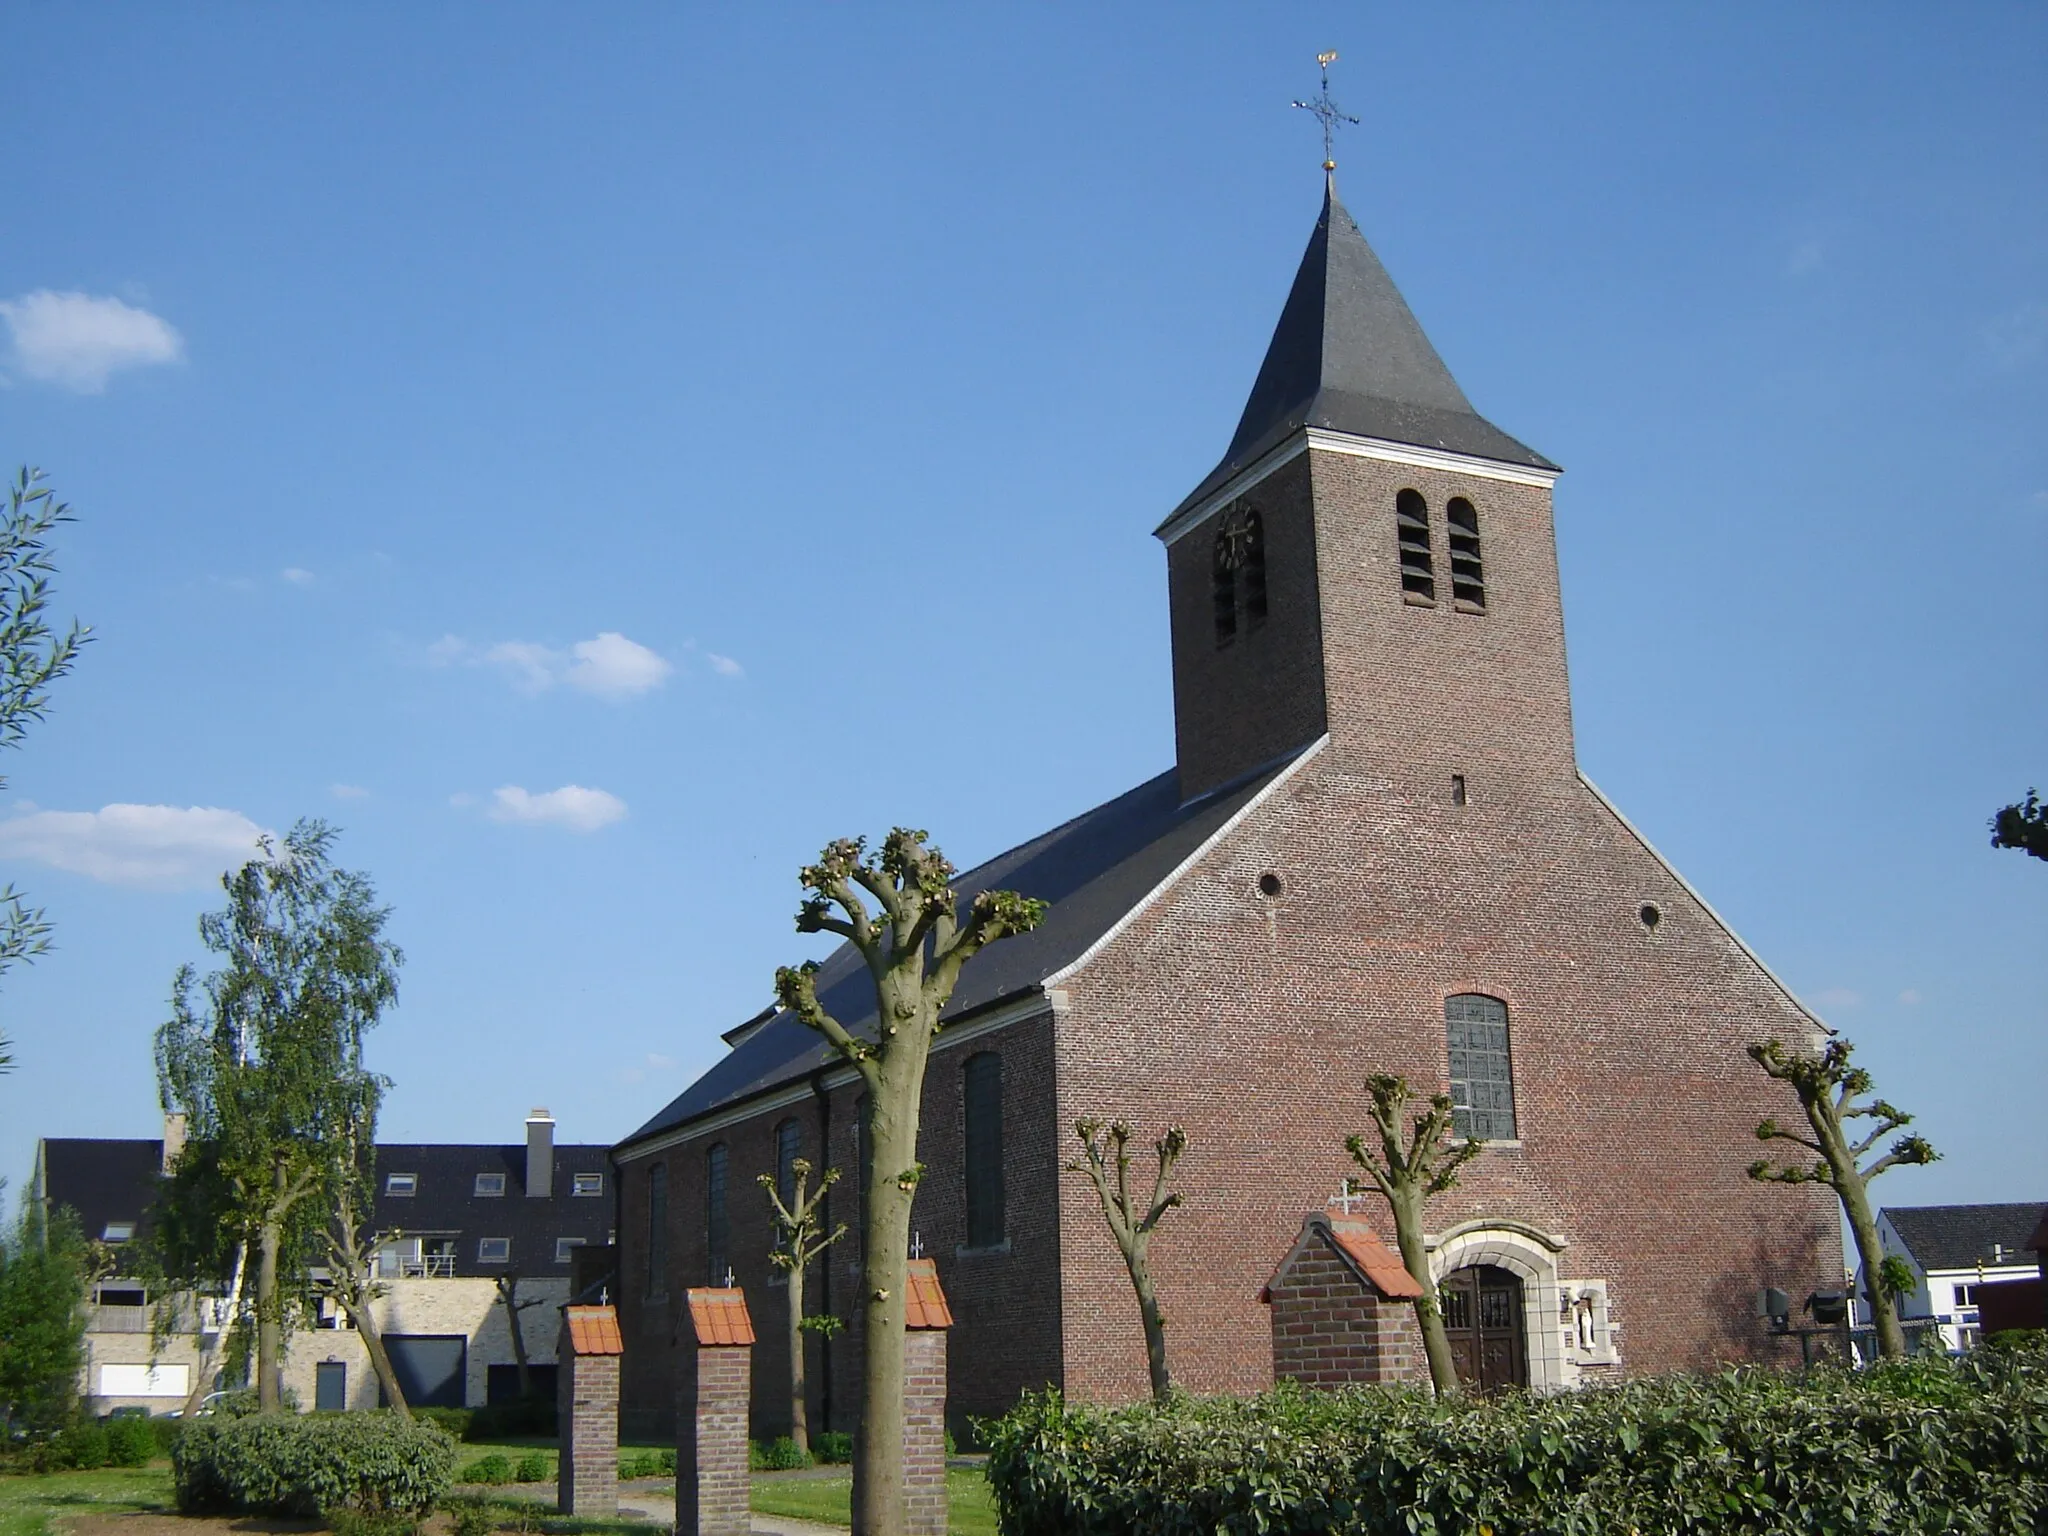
(1483, 1316)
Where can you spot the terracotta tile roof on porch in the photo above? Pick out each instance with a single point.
(1379, 1263)
(719, 1316)
(924, 1303)
(594, 1330)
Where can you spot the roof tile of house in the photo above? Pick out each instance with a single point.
(1379, 1263)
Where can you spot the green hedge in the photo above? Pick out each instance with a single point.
(285, 1464)
(1921, 1448)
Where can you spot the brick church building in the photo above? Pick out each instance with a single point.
(1375, 852)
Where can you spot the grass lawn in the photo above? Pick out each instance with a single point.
(971, 1507)
(27, 1503)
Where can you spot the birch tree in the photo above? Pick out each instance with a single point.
(1409, 1171)
(897, 907)
(1132, 1223)
(265, 1059)
(1830, 1091)
(799, 1239)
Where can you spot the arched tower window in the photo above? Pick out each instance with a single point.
(1239, 566)
(1482, 1075)
(789, 1146)
(1418, 568)
(715, 1226)
(983, 1085)
(1468, 574)
(657, 1230)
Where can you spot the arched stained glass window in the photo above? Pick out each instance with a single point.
(1482, 1074)
(657, 1230)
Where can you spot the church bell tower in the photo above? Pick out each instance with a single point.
(1372, 559)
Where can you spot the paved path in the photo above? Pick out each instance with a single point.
(653, 1499)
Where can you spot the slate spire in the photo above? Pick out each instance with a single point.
(1349, 356)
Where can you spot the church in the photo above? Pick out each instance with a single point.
(1375, 852)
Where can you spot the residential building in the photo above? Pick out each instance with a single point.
(464, 1226)
(1954, 1251)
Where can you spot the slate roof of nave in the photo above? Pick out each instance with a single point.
(1091, 871)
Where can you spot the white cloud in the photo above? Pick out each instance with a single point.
(613, 667)
(79, 341)
(1837, 997)
(724, 666)
(296, 576)
(348, 792)
(157, 847)
(608, 665)
(571, 806)
(1910, 996)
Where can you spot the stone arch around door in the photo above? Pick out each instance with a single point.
(1531, 1257)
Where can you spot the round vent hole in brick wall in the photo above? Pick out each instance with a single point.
(1651, 915)
(1270, 884)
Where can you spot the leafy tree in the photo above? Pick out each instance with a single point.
(32, 656)
(265, 1059)
(915, 942)
(1829, 1088)
(1131, 1224)
(1408, 1173)
(799, 1239)
(44, 1270)
(2023, 825)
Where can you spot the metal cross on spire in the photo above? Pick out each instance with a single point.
(1327, 112)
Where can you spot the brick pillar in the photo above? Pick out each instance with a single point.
(926, 1319)
(587, 1401)
(713, 1483)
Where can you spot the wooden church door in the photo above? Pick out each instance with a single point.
(1483, 1315)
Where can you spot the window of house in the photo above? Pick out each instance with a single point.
(587, 1184)
(1966, 1295)
(488, 1184)
(1411, 525)
(121, 1296)
(1482, 1079)
(715, 1227)
(983, 1085)
(565, 1248)
(1468, 575)
(118, 1232)
(437, 1257)
(401, 1183)
(657, 1230)
(494, 1250)
(789, 1146)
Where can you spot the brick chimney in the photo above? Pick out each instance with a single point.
(174, 1138)
(540, 1154)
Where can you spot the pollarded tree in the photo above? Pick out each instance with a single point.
(1829, 1089)
(800, 1237)
(32, 656)
(351, 1281)
(2022, 825)
(265, 1059)
(1131, 1224)
(915, 942)
(1409, 1172)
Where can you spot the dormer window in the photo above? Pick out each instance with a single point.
(490, 1185)
(118, 1232)
(587, 1184)
(402, 1185)
(1238, 591)
(1468, 575)
(1418, 568)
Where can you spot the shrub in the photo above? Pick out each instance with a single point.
(647, 1464)
(522, 1416)
(832, 1447)
(165, 1433)
(778, 1455)
(533, 1467)
(1911, 1448)
(455, 1420)
(85, 1445)
(130, 1442)
(474, 1518)
(494, 1468)
(284, 1464)
(350, 1522)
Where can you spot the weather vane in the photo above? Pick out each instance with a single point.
(1327, 112)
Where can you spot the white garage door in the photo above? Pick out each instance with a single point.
(145, 1380)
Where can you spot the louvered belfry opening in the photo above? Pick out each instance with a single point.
(1418, 567)
(1224, 592)
(1468, 574)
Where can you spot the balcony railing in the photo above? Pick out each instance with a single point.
(431, 1266)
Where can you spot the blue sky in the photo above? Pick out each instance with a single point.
(538, 440)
